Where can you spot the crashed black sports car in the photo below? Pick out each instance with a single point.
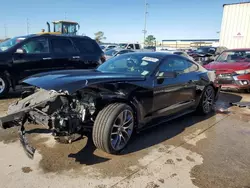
(125, 94)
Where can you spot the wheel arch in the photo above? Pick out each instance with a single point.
(5, 72)
(129, 102)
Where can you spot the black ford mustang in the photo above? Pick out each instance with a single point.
(124, 94)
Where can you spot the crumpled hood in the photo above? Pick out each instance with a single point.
(73, 80)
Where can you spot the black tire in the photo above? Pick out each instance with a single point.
(104, 125)
(4, 85)
(206, 105)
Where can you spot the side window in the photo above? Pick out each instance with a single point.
(86, 46)
(131, 46)
(62, 46)
(137, 46)
(36, 46)
(179, 65)
(192, 66)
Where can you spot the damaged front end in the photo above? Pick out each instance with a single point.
(67, 116)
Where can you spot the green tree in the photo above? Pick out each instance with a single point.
(150, 40)
(99, 36)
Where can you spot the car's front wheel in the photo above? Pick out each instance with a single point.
(113, 127)
(207, 100)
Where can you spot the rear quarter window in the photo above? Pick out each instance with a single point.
(87, 46)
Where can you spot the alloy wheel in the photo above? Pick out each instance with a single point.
(2, 85)
(122, 129)
(208, 100)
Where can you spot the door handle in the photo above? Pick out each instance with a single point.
(76, 57)
(46, 58)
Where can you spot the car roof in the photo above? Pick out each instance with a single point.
(57, 35)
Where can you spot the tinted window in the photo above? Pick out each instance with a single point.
(131, 46)
(86, 46)
(137, 46)
(62, 46)
(179, 65)
(37, 45)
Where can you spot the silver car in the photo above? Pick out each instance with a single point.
(116, 52)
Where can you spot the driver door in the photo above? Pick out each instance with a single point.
(176, 92)
(32, 57)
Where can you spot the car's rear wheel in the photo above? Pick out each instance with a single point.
(207, 101)
(4, 85)
(113, 127)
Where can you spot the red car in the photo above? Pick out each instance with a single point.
(232, 69)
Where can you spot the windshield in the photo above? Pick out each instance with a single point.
(123, 45)
(136, 64)
(9, 43)
(234, 56)
(202, 50)
(111, 52)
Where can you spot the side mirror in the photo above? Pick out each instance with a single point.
(20, 51)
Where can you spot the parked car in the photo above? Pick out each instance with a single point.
(116, 52)
(151, 48)
(125, 94)
(27, 55)
(190, 52)
(131, 46)
(108, 47)
(206, 54)
(232, 68)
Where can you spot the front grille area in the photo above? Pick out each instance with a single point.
(225, 79)
(222, 81)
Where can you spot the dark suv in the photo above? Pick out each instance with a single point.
(27, 55)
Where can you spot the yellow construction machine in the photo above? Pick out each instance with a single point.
(62, 27)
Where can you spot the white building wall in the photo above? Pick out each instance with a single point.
(235, 27)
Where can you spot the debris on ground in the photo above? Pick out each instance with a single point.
(241, 104)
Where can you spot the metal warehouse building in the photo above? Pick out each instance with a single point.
(187, 43)
(235, 26)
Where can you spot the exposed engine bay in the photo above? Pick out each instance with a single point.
(67, 116)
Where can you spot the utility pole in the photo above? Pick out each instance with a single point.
(28, 27)
(145, 21)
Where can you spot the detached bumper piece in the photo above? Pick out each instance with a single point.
(241, 104)
(7, 122)
(29, 150)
